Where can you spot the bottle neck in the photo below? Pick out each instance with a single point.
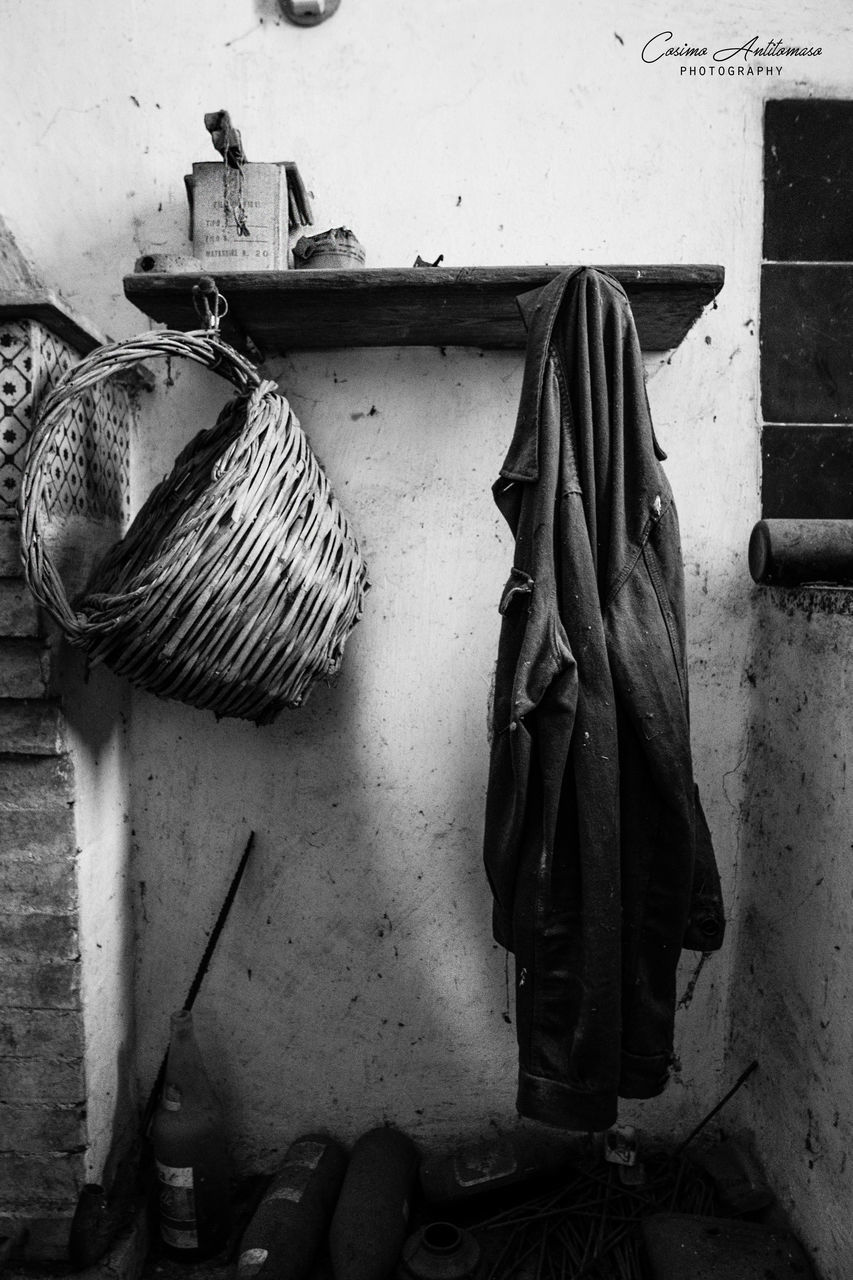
(186, 1083)
(184, 1054)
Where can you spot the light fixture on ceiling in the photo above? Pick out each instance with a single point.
(308, 13)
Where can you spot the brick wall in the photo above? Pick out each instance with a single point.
(64, 998)
(42, 1078)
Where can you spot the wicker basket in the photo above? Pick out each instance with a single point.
(238, 582)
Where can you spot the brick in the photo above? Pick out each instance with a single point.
(10, 547)
(37, 833)
(40, 984)
(36, 783)
(51, 1079)
(31, 728)
(46, 1241)
(39, 1130)
(19, 613)
(30, 1181)
(27, 1033)
(39, 933)
(48, 885)
(24, 668)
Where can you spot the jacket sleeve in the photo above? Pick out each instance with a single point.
(535, 679)
(706, 924)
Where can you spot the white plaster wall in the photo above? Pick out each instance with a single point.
(95, 717)
(95, 706)
(357, 978)
(793, 979)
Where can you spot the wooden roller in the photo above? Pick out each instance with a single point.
(788, 553)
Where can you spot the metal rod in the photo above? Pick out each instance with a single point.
(741, 1080)
(195, 985)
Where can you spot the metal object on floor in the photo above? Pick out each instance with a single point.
(499, 1159)
(290, 1225)
(368, 1227)
(440, 1251)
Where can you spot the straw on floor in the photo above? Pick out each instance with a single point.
(589, 1228)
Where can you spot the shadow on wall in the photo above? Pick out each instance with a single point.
(356, 979)
(352, 981)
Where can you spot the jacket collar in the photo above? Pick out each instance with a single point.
(539, 310)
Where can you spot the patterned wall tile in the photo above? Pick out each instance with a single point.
(91, 451)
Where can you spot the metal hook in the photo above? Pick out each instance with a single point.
(204, 293)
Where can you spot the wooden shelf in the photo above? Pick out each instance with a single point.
(308, 310)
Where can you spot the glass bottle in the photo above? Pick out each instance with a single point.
(190, 1152)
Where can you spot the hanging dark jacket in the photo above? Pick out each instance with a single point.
(596, 847)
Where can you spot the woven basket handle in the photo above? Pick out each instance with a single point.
(36, 482)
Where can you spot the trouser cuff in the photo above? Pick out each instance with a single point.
(643, 1076)
(553, 1103)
